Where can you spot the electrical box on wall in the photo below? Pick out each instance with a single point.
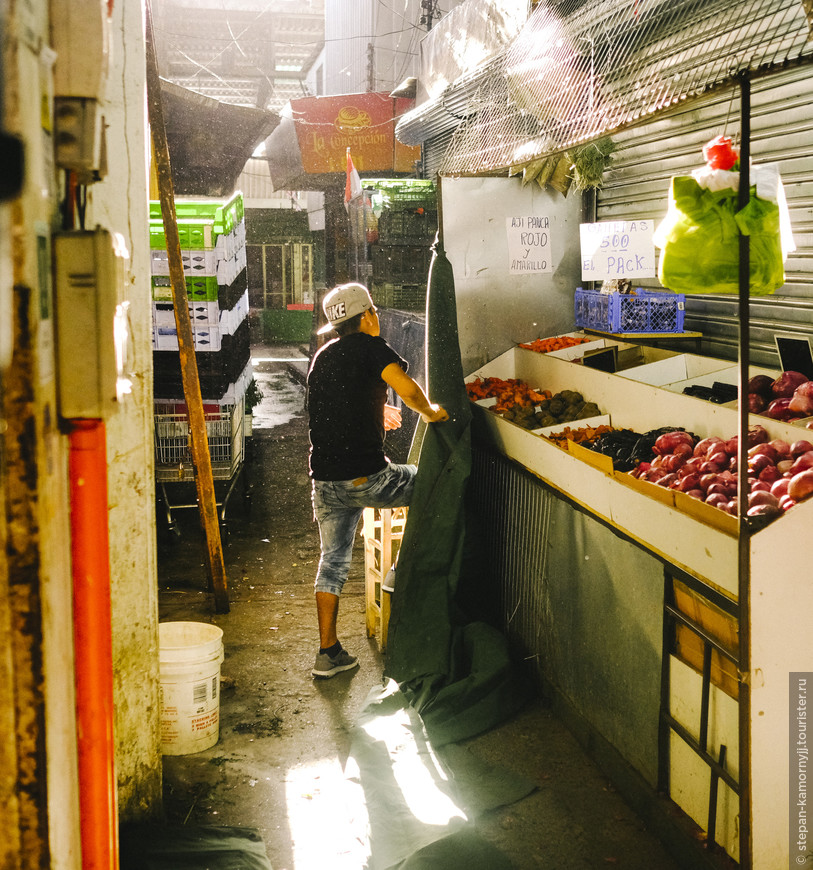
(81, 39)
(91, 323)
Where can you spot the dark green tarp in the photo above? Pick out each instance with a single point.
(456, 672)
(449, 676)
(146, 846)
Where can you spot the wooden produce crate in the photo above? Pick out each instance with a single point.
(383, 531)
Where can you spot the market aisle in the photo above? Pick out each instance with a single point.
(284, 738)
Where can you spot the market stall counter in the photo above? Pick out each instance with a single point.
(693, 539)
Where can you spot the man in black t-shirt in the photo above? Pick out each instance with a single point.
(347, 406)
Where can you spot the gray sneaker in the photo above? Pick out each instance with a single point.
(327, 666)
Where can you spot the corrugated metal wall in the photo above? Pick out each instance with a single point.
(580, 605)
(781, 132)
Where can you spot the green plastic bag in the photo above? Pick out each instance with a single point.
(699, 241)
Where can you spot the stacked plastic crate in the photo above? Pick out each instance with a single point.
(406, 229)
(213, 250)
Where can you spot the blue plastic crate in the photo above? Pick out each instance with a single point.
(645, 311)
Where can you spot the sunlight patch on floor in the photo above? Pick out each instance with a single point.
(327, 817)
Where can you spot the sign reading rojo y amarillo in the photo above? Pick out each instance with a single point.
(327, 126)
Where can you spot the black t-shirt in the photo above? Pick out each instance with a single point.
(346, 398)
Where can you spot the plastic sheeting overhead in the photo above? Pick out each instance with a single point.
(210, 142)
(583, 68)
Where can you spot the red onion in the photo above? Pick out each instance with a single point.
(780, 487)
(800, 447)
(767, 448)
(762, 497)
(690, 481)
(786, 502)
(756, 403)
(717, 499)
(703, 447)
(666, 480)
(764, 510)
(802, 400)
(785, 385)
(761, 385)
(802, 463)
(770, 473)
(758, 462)
(779, 409)
(801, 485)
(667, 442)
(757, 435)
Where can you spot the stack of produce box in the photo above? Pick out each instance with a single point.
(401, 253)
(213, 250)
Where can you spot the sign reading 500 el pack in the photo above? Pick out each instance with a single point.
(327, 126)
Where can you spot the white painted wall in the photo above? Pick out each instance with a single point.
(120, 203)
(497, 309)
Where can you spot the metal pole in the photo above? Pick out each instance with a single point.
(92, 629)
(744, 540)
(204, 480)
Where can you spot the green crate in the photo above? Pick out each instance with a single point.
(195, 235)
(199, 288)
(223, 217)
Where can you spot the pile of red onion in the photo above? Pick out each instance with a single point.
(779, 474)
(788, 397)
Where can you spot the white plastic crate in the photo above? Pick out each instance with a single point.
(231, 320)
(202, 314)
(229, 269)
(205, 340)
(194, 262)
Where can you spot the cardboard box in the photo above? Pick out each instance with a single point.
(715, 622)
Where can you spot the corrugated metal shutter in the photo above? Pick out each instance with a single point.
(433, 151)
(781, 132)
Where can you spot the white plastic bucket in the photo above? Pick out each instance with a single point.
(190, 654)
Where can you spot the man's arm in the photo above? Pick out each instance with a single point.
(412, 394)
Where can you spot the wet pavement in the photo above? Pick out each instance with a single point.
(279, 763)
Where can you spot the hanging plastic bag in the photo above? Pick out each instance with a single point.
(699, 237)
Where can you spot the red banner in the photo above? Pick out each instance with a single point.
(327, 126)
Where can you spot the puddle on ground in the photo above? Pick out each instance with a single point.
(283, 400)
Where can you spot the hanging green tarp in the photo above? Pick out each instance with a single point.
(456, 672)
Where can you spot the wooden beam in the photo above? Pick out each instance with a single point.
(204, 480)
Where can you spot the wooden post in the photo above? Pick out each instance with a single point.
(201, 457)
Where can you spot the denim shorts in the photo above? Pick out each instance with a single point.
(337, 507)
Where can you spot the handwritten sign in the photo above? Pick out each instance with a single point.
(617, 249)
(528, 244)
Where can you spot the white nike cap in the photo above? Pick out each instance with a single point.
(344, 302)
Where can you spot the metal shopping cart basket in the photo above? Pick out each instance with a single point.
(225, 432)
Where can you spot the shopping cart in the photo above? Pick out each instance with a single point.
(225, 432)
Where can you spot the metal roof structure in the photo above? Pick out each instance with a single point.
(246, 54)
(580, 69)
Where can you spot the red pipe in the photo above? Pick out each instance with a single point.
(93, 648)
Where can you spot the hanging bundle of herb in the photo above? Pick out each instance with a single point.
(590, 161)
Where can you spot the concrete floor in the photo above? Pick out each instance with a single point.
(284, 737)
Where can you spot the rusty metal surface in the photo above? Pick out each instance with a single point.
(29, 824)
